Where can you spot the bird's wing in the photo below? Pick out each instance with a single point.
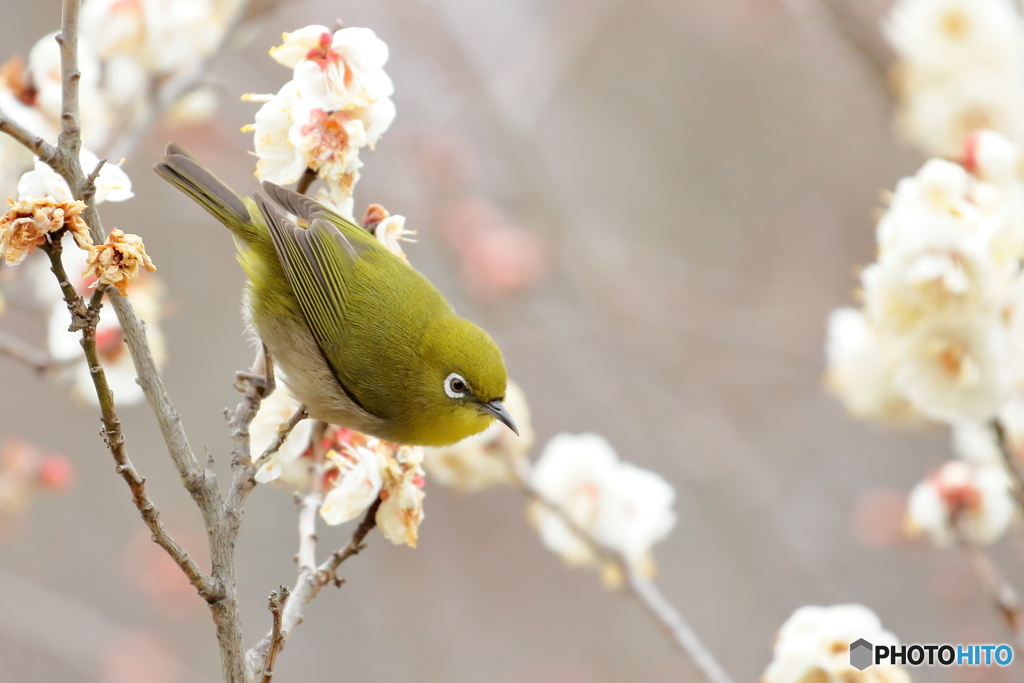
(315, 260)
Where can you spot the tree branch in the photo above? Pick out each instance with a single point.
(308, 587)
(86, 318)
(1010, 462)
(1000, 592)
(277, 636)
(201, 483)
(862, 36)
(256, 385)
(283, 432)
(34, 143)
(22, 351)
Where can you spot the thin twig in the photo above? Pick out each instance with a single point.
(34, 143)
(22, 351)
(309, 505)
(305, 181)
(91, 179)
(277, 636)
(255, 385)
(664, 614)
(308, 587)
(862, 36)
(1000, 592)
(88, 317)
(282, 435)
(1010, 462)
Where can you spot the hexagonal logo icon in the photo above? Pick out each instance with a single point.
(861, 654)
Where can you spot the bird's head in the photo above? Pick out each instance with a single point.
(461, 387)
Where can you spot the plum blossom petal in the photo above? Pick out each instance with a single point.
(860, 371)
(357, 486)
(401, 510)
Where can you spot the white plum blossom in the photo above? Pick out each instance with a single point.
(975, 442)
(338, 198)
(938, 116)
(814, 645)
(357, 485)
(955, 367)
(993, 158)
(623, 507)
(112, 183)
(489, 458)
(160, 36)
(960, 70)
(337, 103)
(391, 232)
(860, 371)
(277, 159)
(973, 498)
(14, 157)
(350, 64)
(287, 466)
(327, 142)
(942, 327)
(401, 510)
(941, 271)
(946, 35)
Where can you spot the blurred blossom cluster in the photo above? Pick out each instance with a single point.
(960, 70)
(126, 47)
(940, 332)
(24, 471)
(338, 101)
(814, 645)
(940, 336)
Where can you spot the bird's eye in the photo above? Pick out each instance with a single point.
(455, 385)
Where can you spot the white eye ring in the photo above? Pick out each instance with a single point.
(455, 385)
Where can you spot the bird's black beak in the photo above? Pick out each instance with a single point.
(498, 410)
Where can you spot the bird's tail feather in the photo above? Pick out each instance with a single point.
(186, 173)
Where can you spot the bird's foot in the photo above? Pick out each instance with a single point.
(263, 382)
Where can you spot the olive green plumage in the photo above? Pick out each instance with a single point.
(364, 340)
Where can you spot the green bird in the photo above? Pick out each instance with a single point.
(364, 340)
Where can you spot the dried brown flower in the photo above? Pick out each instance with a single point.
(27, 223)
(118, 261)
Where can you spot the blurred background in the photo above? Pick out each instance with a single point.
(675, 196)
